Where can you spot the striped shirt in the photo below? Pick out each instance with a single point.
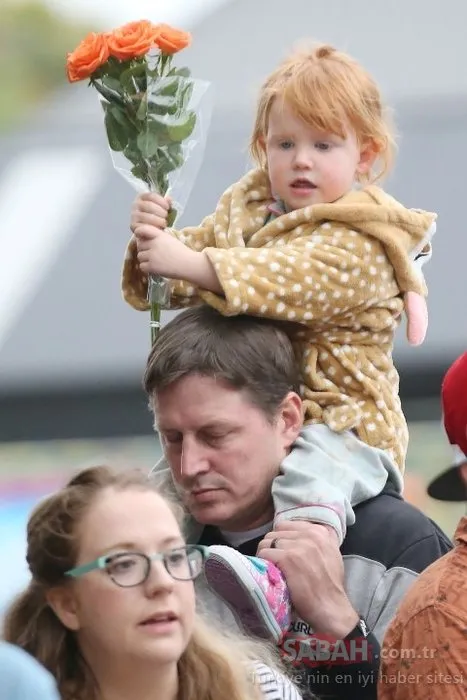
(274, 685)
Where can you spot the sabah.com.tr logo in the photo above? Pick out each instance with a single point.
(320, 649)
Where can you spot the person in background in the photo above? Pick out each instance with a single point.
(22, 677)
(424, 653)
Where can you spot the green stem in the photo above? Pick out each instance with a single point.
(107, 93)
(155, 320)
(165, 62)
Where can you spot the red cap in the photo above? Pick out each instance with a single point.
(454, 402)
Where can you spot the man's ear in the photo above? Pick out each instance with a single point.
(291, 414)
(63, 602)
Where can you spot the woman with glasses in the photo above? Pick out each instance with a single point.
(110, 609)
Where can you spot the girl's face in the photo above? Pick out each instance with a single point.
(151, 621)
(309, 167)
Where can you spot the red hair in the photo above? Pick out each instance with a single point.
(330, 91)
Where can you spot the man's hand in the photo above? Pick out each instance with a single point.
(309, 557)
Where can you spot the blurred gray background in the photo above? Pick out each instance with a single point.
(71, 352)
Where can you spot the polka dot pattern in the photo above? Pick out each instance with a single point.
(339, 270)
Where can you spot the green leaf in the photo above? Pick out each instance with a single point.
(142, 111)
(112, 83)
(147, 143)
(117, 134)
(115, 67)
(140, 171)
(181, 131)
(160, 129)
(108, 94)
(133, 79)
(120, 115)
(170, 95)
(183, 72)
(174, 153)
(186, 95)
(162, 104)
(132, 152)
(167, 86)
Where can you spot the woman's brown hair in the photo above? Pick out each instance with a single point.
(213, 667)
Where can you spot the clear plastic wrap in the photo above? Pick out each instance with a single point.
(157, 118)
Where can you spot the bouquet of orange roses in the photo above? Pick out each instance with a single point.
(156, 115)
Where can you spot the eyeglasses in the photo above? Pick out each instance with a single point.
(128, 569)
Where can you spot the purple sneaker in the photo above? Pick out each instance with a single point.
(254, 588)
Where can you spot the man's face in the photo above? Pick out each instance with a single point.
(223, 451)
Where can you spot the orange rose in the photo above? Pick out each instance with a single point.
(132, 40)
(91, 53)
(171, 40)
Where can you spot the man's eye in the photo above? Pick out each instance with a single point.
(172, 438)
(215, 439)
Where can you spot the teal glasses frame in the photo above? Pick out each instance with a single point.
(193, 555)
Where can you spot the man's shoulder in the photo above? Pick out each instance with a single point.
(393, 532)
(384, 552)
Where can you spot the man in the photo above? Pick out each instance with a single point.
(224, 392)
(425, 648)
(22, 677)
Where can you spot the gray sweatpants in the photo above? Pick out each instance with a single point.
(323, 477)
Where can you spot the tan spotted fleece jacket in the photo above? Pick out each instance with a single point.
(337, 271)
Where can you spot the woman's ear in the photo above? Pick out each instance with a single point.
(63, 602)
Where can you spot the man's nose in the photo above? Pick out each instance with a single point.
(194, 459)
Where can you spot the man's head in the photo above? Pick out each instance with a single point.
(225, 396)
(451, 485)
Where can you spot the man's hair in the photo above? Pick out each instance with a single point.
(249, 353)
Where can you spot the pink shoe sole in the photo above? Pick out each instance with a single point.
(228, 576)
